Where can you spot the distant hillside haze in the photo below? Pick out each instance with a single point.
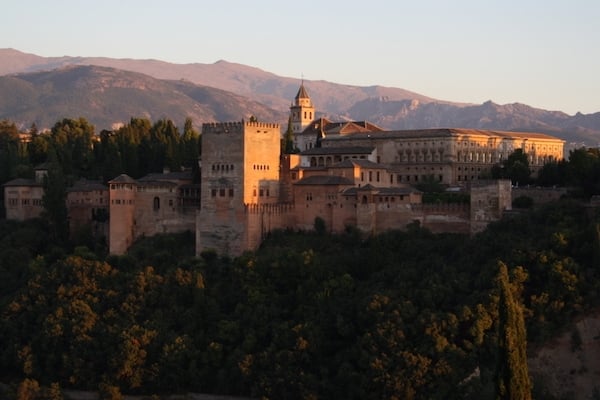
(225, 91)
(107, 97)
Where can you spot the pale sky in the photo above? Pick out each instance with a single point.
(542, 53)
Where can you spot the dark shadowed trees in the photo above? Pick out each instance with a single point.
(512, 374)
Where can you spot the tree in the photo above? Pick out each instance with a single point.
(72, 139)
(54, 202)
(287, 146)
(189, 145)
(515, 167)
(512, 374)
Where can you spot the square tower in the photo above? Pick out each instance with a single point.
(240, 168)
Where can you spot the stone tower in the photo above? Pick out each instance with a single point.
(240, 171)
(122, 191)
(302, 113)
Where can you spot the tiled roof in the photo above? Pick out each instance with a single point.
(84, 185)
(325, 180)
(380, 191)
(323, 125)
(442, 132)
(162, 183)
(316, 151)
(22, 182)
(302, 94)
(352, 162)
(123, 178)
(168, 176)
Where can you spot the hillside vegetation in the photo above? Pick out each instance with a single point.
(406, 315)
(402, 315)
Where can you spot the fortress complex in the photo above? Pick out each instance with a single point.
(348, 174)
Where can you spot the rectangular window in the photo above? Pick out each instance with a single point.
(370, 176)
(261, 192)
(222, 192)
(213, 192)
(230, 192)
(377, 176)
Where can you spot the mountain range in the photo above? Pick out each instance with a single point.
(109, 91)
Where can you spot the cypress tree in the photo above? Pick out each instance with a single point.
(512, 374)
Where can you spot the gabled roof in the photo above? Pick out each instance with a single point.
(324, 180)
(327, 127)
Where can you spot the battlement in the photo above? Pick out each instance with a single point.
(269, 125)
(223, 127)
(235, 126)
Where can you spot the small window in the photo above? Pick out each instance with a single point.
(156, 204)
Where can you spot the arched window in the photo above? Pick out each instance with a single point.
(156, 204)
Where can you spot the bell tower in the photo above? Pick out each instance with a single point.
(302, 112)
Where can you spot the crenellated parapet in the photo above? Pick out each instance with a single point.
(262, 125)
(235, 127)
(223, 127)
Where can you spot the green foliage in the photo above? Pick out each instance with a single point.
(512, 375)
(309, 315)
(55, 206)
(515, 167)
(523, 202)
(320, 226)
(287, 142)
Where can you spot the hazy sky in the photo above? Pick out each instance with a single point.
(542, 53)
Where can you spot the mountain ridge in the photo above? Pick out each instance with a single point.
(390, 108)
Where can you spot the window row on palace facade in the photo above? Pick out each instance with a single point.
(261, 167)
(424, 155)
(121, 186)
(222, 167)
(24, 202)
(87, 200)
(364, 198)
(156, 203)
(155, 188)
(330, 160)
(122, 201)
(262, 192)
(222, 192)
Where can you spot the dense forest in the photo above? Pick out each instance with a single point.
(402, 315)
